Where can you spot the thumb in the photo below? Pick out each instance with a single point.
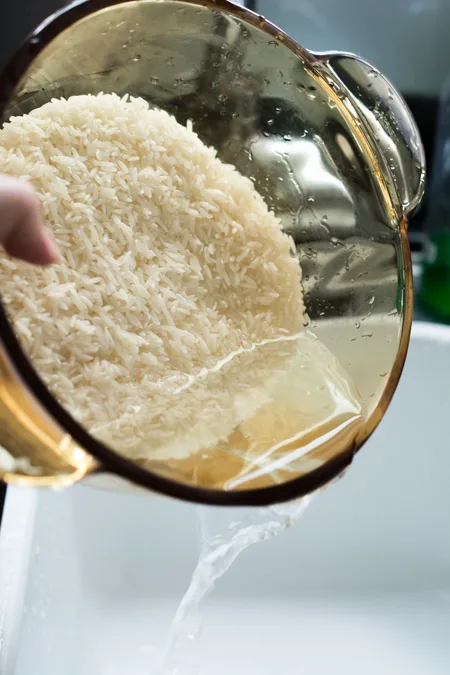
(22, 231)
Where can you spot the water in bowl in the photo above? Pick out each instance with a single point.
(307, 411)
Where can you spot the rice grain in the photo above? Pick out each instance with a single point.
(167, 318)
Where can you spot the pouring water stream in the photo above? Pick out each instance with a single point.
(224, 534)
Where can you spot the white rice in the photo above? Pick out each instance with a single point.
(172, 263)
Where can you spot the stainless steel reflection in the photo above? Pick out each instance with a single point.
(326, 139)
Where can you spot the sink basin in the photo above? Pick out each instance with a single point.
(89, 581)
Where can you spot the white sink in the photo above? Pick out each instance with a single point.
(360, 585)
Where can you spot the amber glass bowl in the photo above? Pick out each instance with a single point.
(334, 151)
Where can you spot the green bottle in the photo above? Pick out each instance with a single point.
(434, 295)
(435, 290)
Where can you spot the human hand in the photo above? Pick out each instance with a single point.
(22, 231)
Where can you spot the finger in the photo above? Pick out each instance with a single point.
(22, 231)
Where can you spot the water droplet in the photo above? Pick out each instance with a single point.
(137, 57)
(270, 123)
(277, 111)
(367, 335)
(154, 79)
(332, 103)
(287, 137)
(372, 300)
(373, 72)
(222, 97)
(311, 200)
(273, 43)
(334, 241)
(357, 325)
(324, 220)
